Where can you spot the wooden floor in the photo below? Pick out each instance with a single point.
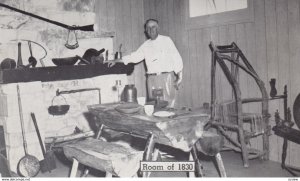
(232, 162)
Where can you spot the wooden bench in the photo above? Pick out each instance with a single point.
(110, 157)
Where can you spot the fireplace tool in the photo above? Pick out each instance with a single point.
(45, 51)
(71, 29)
(48, 163)
(58, 92)
(29, 44)
(64, 108)
(32, 61)
(29, 165)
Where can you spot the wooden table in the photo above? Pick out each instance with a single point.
(179, 132)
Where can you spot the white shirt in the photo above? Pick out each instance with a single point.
(160, 55)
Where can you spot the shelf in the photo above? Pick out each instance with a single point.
(54, 73)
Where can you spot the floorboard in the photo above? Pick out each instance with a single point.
(232, 162)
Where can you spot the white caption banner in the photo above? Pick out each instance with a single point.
(154, 166)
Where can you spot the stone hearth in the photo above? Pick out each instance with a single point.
(38, 85)
(36, 97)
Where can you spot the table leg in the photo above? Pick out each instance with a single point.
(220, 165)
(148, 152)
(86, 170)
(283, 158)
(74, 168)
(99, 131)
(155, 154)
(198, 165)
(191, 174)
(108, 174)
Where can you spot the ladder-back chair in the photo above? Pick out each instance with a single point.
(229, 116)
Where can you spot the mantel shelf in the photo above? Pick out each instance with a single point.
(54, 73)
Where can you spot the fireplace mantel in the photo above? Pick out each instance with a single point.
(45, 74)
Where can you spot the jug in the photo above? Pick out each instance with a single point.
(130, 93)
(158, 95)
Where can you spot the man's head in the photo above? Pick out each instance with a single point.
(151, 27)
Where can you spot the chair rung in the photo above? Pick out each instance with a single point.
(253, 153)
(253, 134)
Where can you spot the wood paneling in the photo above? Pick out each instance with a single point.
(199, 77)
(272, 61)
(270, 42)
(204, 69)
(283, 56)
(126, 19)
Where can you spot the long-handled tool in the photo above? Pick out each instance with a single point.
(29, 165)
(48, 163)
(71, 29)
(32, 61)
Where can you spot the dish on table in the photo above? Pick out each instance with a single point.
(159, 105)
(164, 114)
(128, 108)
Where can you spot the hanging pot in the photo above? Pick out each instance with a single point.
(58, 109)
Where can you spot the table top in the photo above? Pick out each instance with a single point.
(180, 131)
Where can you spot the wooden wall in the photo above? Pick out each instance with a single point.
(171, 17)
(270, 41)
(126, 19)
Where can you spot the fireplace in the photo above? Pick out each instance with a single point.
(38, 91)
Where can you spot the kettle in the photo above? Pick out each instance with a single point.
(130, 93)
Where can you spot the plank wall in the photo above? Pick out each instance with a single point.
(126, 19)
(270, 41)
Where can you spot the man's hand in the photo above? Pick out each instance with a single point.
(178, 80)
(112, 63)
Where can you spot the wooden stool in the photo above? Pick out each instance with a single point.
(112, 158)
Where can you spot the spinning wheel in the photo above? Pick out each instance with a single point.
(284, 129)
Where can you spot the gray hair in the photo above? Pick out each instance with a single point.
(153, 20)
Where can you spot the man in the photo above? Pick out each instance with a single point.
(163, 61)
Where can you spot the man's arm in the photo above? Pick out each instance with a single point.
(134, 57)
(178, 64)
